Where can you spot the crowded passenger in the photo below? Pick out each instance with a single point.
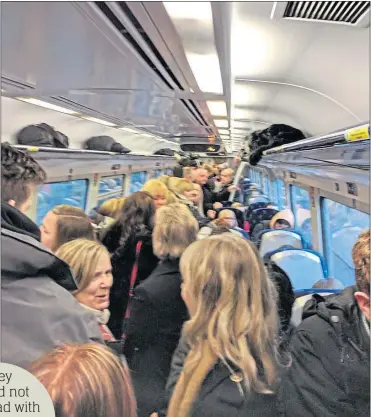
(226, 361)
(226, 218)
(105, 215)
(86, 381)
(65, 223)
(226, 181)
(210, 182)
(130, 241)
(91, 265)
(230, 217)
(38, 310)
(158, 312)
(184, 190)
(283, 220)
(158, 191)
(330, 372)
(201, 177)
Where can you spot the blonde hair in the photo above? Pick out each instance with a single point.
(156, 187)
(180, 185)
(164, 179)
(208, 168)
(234, 318)
(86, 380)
(200, 205)
(175, 229)
(361, 260)
(112, 207)
(72, 223)
(82, 255)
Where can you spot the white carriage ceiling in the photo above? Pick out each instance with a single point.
(190, 68)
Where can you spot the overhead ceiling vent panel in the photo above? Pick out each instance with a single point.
(353, 13)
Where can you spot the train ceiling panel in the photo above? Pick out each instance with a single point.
(194, 68)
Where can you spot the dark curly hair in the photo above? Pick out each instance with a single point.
(18, 171)
(135, 219)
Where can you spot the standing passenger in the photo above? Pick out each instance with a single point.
(86, 381)
(158, 191)
(130, 241)
(158, 311)
(91, 265)
(330, 372)
(229, 367)
(65, 223)
(37, 310)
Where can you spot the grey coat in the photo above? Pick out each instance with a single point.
(38, 312)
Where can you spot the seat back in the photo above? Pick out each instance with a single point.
(298, 307)
(253, 207)
(304, 267)
(257, 199)
(260, 214)
(271, 240)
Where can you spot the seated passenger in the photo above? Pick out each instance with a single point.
(130, 241)
(230, 217)
(330, 372)
(91, 265)
(329, 283)
(38, 311)
(283, 220)
(158, 191)
(158, 311)
(63, 224)
(86, 381)
(225, 364)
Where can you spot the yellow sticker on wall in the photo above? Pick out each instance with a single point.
(357, 133)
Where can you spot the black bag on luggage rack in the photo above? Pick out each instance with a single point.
(106, 144)
(165, 152)
(42, 135)
(274, 135)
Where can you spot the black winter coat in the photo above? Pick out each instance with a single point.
(219, 395)
(208, 198)
(223, 194)
(122, 264)
(330, 372)
(157, 316)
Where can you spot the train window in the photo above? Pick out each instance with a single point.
(137, 181)
(266, 187)
(111, 184)
(156, 173)
(169, 171)
(301, 208)
(341, 227)
(281, 194)
(73, 193)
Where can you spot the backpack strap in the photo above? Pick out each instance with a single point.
(133, 278)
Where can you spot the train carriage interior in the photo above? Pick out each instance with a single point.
(211, 82)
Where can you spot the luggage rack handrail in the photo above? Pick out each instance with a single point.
(360, 132)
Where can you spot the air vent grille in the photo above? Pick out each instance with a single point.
(330, 11)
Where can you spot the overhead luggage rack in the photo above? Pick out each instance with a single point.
(350, 135)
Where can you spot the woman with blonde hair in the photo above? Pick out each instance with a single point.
(91, 265)
(158, 311)
(64, 223)
(86, 380)
(183, 190)
(229, 346)
(158, 191)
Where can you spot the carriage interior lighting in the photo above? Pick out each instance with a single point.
(146, 135)
(129, 130)
(100, 121)
(223, 131)
(46, 105)
(217, 108)
(189, 10)
(221, 123)
(208, 81)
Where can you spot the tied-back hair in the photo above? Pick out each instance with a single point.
(82, 255)
(112, 207)
(72, 223)
(18, 171)
(233, 318)
(136, 217)
(175, 229)
(86, 380)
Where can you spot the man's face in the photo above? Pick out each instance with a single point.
(201, 176)
(225, 177)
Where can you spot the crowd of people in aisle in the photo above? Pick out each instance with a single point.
(159, 304)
